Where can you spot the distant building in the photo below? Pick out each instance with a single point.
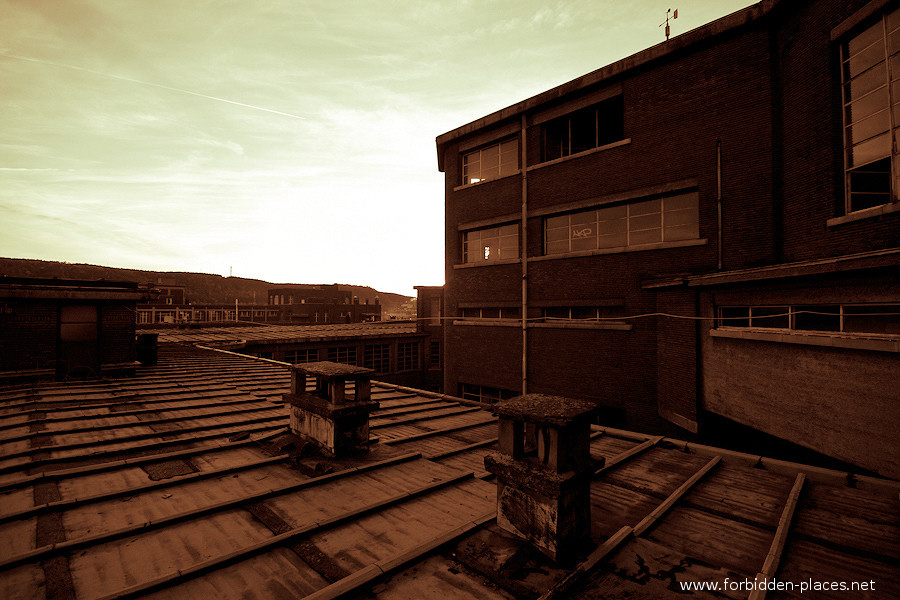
(296, 304)
(396, 351)
(708, 227)
(66, 328)
(430, 320)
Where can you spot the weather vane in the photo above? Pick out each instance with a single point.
(674, 16)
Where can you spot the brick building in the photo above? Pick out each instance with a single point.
(293, 304)
(430, 321)
(396, 351)
(736, 185)
(66, 328)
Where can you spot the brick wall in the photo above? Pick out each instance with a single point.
(117, 333)
(676, 353)
(28, 332)
(812, 139)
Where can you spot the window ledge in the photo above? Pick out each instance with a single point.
(562, 159)
(608, 325)
(622, 249)
(573, 324)
(490, 322)
(469, 185)
(869, 213)
(885, 343)
(488, 263)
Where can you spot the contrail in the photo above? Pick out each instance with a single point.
(156, 85)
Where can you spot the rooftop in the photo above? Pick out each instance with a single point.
(181, 483)
(223, 337)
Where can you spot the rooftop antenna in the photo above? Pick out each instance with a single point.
(673, 17)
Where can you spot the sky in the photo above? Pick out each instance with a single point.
(285, 140)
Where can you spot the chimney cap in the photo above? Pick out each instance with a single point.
(332, 370)
(543, 408)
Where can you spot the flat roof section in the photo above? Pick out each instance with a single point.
(179, 483)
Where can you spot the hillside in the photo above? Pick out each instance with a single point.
(200, 288)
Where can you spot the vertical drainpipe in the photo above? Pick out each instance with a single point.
(719, 250)
(524, 252)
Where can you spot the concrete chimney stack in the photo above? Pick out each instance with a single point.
(329, 416)
(544, 472)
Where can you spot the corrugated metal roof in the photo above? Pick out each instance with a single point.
(177, 484)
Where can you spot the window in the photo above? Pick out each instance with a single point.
(838, 318)
(378, 358)
(491, 162)
(503, 312)
(407, 356)
(666, 219)
(584, 129)
(301, 356)
(342, 354)
(484, 394)
(493, 243)
(582, 313)
(434, 354)
(870, 70)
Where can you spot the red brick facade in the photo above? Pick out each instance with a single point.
(746, 113)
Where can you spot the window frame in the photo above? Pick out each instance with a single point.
(797, 313)
(497, 232)
(552, 131)
(632, 217)
(889, 78)
(504, 168)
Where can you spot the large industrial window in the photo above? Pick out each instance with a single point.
(491, 162)
(493, 243)
(883, 319)
(584, 129)
(484, 393)
(667, 219)
(301, 356)
(491, 312)
(870, 68)
(434, 354)
(377, 357)
(583, 313)
(342, 354)
(407, 356)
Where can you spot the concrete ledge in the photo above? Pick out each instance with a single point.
(488, 263)
(621, 249)
(868, 213)
(830, 340)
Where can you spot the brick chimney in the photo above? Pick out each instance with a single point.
(544, 472)
(329, 416)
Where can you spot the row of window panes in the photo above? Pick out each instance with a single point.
(434, 354)
(301, 356)
(580, 313)
(491, 162)
(484, 394)
(378, 358)
(579, 131)
(846, 318)
(583, 129)
(505, 312)
(871, 79)
(407, 356)
(342, 354)
(667, 219)
(492, 243)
